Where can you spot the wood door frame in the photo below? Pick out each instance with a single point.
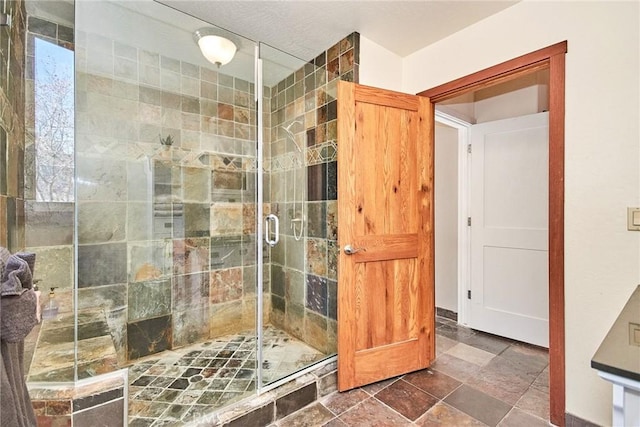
(553, 59)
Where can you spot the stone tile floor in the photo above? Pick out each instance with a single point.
(181, 385)
(477, 379)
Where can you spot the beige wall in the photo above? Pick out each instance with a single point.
(446, 216)
(602, 152)
(526, 95)
(379, 67)
(519, 97)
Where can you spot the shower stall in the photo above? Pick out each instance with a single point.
(195, 245)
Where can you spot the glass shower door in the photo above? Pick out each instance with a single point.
(297, 329)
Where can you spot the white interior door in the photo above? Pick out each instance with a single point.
(509, 237)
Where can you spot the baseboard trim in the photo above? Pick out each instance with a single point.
(448, 314)
(571, 420)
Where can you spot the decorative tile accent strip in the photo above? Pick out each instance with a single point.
(285, 161)
(322, 153)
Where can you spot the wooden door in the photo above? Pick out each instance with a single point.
(509, 228)
(385, 213)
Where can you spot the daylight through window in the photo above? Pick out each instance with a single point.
(54, 121)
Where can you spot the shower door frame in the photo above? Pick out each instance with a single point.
(259, 214)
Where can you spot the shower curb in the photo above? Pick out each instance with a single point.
(273, 405)
(78, 403)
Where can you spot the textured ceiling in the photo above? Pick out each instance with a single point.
(301, 28)
(306, 28)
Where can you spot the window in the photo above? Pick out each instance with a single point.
(54, 122)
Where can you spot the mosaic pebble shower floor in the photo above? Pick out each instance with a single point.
(182, 385)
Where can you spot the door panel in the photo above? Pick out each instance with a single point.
(509, 232)
(527, 267)
(376, 325)
(385, 209)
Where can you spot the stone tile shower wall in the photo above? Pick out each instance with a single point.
(166, 195)
(12, 131)
(304, 273)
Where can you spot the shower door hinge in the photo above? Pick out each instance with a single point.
(469, 148)
(469, 294)
(469, 221)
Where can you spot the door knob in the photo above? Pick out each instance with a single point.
(350, 250)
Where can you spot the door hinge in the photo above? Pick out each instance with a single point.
(469, 221)
(469, 294)
(469, 148)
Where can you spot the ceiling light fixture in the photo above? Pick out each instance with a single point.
(216, 49)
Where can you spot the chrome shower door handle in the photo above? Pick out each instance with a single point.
(271, 218)
(350, 250)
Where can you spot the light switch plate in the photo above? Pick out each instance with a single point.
(634, 334)
(633, 219)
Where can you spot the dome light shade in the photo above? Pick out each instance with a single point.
(216, 49)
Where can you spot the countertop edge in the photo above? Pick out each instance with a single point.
(635, 376)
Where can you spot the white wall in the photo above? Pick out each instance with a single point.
(446, 217)
(379, 67)
(602, 156)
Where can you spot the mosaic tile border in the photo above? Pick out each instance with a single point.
(322, 153)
